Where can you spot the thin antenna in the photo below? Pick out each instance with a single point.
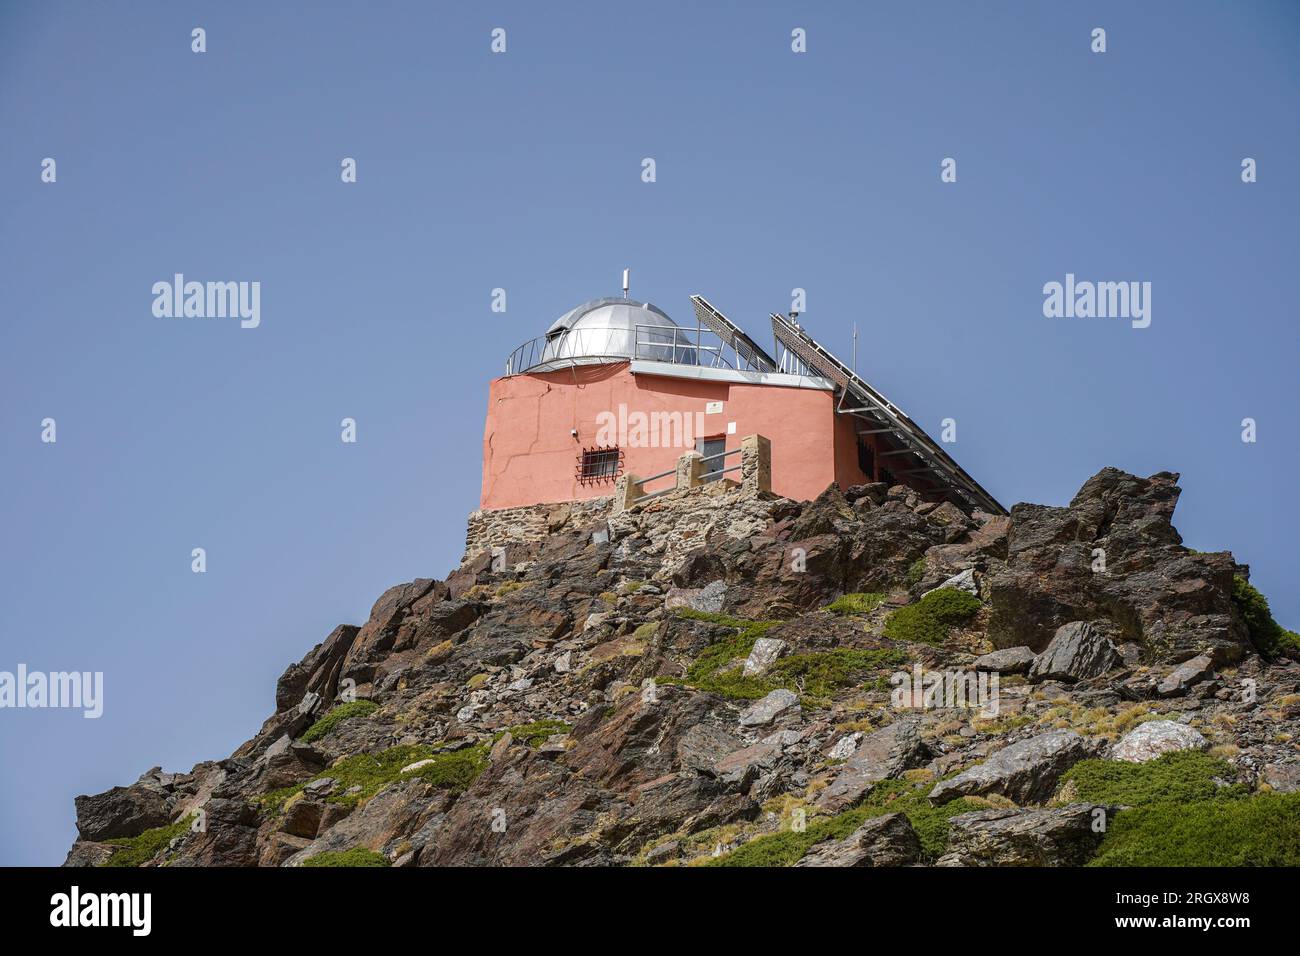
(855, 348)
(627, 274)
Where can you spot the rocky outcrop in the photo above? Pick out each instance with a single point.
(666, 684)
(121, 812)
(881, 841)
(879, 756)
(1078, 651)
(1025, 772)
(1059, 836)
(1113, 554)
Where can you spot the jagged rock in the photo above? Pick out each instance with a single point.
(778, 703)
(962, 581)
(708, 599)
(741, 766)
(302, 818)
(1077, 652)
(381, 823)
(874, 493)
(887, 840)
(1008, 660)
(765, 653)
(1155, 737)
(318, 672)
(229, 837)
(846, 746)
(86, 853)
(1059, 836)
(1025, 772)
(704, 745)
(1185, 675)
(1172, 599)
(322, 787)
(664, 852)
(880, 755)
(120, 812)
(1282, 777)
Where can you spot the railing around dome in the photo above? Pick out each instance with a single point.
(654, 343)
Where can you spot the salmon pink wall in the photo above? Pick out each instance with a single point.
(529, 455)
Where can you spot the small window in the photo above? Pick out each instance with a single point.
(887, 477)
(600, 464)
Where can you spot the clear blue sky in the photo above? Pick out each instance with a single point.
(522, 171)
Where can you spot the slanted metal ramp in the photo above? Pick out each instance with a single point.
(746, 349)
(799, 353)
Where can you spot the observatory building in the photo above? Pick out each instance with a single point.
(615, 387)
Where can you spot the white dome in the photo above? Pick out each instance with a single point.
(611, 330)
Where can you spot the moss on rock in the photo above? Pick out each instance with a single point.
(356, 708)
(931, 619)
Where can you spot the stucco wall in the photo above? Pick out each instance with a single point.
(529, 455)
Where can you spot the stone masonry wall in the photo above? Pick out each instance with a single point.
(673, 524)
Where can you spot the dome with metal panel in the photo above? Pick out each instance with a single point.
(601, 331)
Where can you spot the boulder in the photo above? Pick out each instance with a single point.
(1185, 675)
(1155, 737)
(1057, 836)
(1079, 651)
(764, 654)
(1008, 660)
(779, 703)
(1282, 777)
(1024, 772)
(846, 746)
(120, 812)
(302, 818)
(318, 672)
(963, 581)
(880, 755)
(887, 840)
(741, 766)
(709, 598)
(704, 745)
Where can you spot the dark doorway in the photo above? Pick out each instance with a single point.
(708, 447)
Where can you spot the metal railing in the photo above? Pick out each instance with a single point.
(699, 347)
(704, 479)
(662, 491)
(715, 475)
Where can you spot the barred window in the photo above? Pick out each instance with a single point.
(600, 464)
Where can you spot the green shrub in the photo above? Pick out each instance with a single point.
(891, 796)
(455, 770)
(357, 856)
(916, 572)
(537, 733)
(821, 673)
(816, 674)
(858, 603)
(1182, 777)
(1270, 638)
(1180, 816)
(451, 770)
(356, 708)
(140, 849)
(930, 620)
(1263, 830)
